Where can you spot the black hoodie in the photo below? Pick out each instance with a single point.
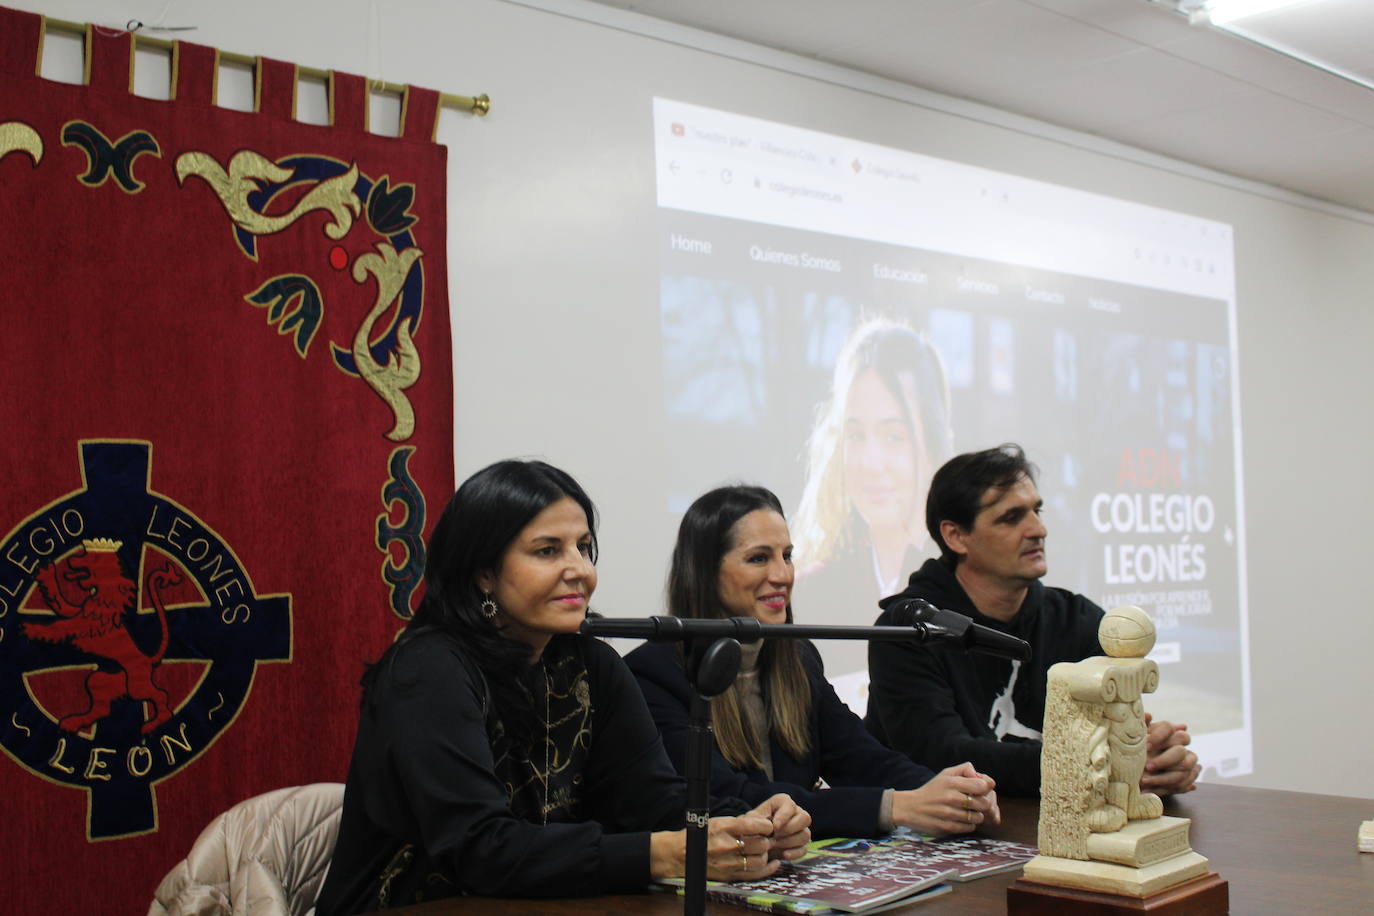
(935, 703)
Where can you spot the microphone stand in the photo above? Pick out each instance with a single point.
(712, 654)
(711, 669)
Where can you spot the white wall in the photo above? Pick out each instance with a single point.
(553, 285)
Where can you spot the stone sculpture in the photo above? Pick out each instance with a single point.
(1098, 831)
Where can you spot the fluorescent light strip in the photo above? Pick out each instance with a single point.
(1220, 12)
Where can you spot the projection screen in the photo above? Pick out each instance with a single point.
(838, 318)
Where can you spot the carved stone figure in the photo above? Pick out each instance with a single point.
(1097, 829)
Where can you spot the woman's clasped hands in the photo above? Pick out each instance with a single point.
(739, 848)
(754, 845)
(957, 800)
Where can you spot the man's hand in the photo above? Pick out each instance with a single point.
(1170, 768)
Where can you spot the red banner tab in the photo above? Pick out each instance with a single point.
(276, 88)
(19, 42)
(110, 59)
(195, 71)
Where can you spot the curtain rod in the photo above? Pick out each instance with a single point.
(478, 105)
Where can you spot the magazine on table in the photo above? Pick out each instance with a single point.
(868, 876)
(970, 856)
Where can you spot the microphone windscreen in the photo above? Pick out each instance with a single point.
(908, 611)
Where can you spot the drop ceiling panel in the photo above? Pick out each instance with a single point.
(1239, 58)
(1254, 135)
(1129, 88)
(810, 29)
(1336, 96)
(997, 42)
(1286, 76)
(1146, 23)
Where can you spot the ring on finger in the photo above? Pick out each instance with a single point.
(968, 801)
(739, 844)
(743, 860)
(968, 816)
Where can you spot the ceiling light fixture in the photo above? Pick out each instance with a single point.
(1219, 12)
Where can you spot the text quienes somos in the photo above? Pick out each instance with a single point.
(793, 259)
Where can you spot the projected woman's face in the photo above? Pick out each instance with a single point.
(881, 454)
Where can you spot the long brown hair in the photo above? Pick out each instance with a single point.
(706, 534)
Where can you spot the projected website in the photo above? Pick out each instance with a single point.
(840, 318)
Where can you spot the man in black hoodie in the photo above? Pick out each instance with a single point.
(942, 706)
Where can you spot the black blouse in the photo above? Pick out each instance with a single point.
(439, 802)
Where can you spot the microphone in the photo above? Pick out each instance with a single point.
(951, 626)
(906, 611)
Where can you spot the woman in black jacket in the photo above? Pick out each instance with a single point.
(500, 753)
(780, 727)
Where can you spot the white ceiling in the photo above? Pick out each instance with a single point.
(1132, 71)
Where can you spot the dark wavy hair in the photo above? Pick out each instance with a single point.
(705, 536)
(956, 490)
(470, 538)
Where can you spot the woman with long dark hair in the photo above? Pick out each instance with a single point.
(500, 753)
(781, 728)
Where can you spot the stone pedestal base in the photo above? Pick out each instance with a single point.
(1205, 896)
(1116, 879)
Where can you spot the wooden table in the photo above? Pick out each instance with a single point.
(1282, 852)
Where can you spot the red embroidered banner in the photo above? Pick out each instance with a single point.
(228, 414)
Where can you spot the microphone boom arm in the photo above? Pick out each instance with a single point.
(950, 627)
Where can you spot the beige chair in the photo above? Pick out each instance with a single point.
(266, 856)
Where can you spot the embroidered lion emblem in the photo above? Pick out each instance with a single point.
(90, 592)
